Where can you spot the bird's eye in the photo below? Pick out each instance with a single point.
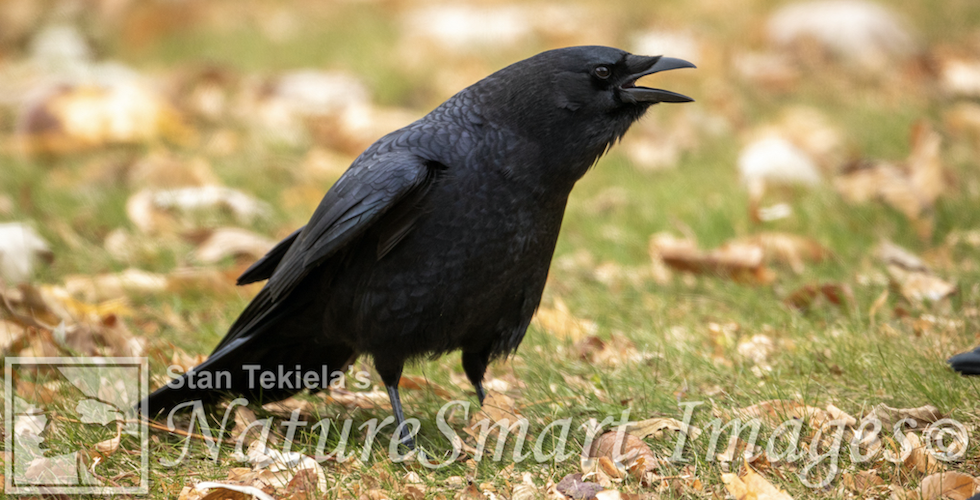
(602, 72)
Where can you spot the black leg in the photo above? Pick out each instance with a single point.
(390, 375)
(396, 407)
(475, 366)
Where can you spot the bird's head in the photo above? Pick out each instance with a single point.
(602, 80)
(581, 99)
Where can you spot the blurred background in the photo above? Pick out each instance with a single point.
(151, 150)
(808, 228)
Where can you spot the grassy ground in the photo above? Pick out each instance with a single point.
(826, 355)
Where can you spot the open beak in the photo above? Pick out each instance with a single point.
(641, 66)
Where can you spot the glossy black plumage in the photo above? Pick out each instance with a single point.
(967, 363)
(439, 236)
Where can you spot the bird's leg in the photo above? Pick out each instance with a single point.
(391, 374)
(475, 366)
(396, 408)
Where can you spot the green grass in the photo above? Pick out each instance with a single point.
(825, 355)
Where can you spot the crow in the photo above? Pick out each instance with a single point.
(437, 238)
(966, 363)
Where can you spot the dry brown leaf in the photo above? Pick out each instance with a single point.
(155, 211)
(606, 352)
(526, 489)
(888, 416)
(285, 407)
(75, 118)
(911, 188)
(920, 459)
(576, 487)
(361, 399)
(244, 417)
(838, 414)
(607, 467)
(655, 427)
(911, 276)
(752, 486)
(740, 261)
(963, 120)
(10, 333)
(863, 481)
(789, 249)
(803, 298)
(163, 170)
(959, 74)
(633, 453)
(952, 485)
(561, 323)
(776, 411)
(103, 287)
(496, 408)
(416, 383)
(303, 486)
(918, 287)
(470, 492)
(21, 249)
(228, 242)
(225, 491)
(891, 254)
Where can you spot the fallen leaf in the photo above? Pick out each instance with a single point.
(163, 170)
(911, 276)
(561, 323)
(632, 452)
(575, 487)
(912, 187)
(359, 399)
(244, 491)
(920, 459)
(873, 40)
(888, 416)
(776, 411)
(752, 486)
(918, 287)
(470, 492)
(72, 118)
(953, 485)
(496, 408)
(611, 352)
(740, 261)
(789, 249)
(105, 287)
(228, 242)
(805, 297)
(838, 414)
(412, 382)
(655, 427)
(20, 250)
(303, 486)
(862, 482)
(155, 211)
(526, 489)
(775, 160)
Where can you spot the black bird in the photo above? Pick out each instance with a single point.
(439, 236)
(967, 363)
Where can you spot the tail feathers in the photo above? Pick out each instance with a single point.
(262, 374)
(967, 363)
(263, 268)
(207, 382)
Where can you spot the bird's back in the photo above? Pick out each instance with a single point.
(470, 270)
